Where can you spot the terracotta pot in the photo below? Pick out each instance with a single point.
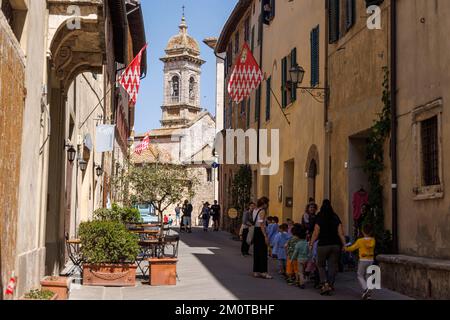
(109, 275)
(58, 285)
(55, 297)
(163, 272)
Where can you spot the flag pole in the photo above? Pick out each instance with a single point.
(95, 108)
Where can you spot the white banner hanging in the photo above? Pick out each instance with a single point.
(104, 138)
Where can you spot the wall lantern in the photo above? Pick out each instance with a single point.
(99, 171)
(296, 77)
(297, 74)
(83, 165)
(71, 153)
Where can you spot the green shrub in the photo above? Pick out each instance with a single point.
(105, 242)
(39, 295)
(118, 214)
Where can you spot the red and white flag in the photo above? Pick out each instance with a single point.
(246, 76)
(131, 78)
(11, 286)
(142, 146)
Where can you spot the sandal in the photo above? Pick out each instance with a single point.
(256, 275)
(266, 276)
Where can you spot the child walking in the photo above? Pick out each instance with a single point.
(366, 248)
(301, 255)
(279, 250)
(292, 265)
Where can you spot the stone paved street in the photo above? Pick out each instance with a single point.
(211, 268)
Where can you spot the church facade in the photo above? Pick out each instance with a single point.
(187, 131)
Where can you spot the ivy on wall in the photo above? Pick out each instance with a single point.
(374, 167)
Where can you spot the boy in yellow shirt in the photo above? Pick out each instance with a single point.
(366, 248)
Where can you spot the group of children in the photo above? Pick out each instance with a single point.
(289, 245)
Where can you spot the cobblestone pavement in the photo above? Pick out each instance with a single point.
(210, 267)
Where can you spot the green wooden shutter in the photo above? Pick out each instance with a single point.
(258, 104)
(268, 96)
(350, 8)
(293, 64)
(315, 56)
(283, 82)
(333, 20)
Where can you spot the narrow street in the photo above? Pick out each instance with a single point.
(211, 268)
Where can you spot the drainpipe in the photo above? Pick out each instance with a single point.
(261, 21)
(393, 97)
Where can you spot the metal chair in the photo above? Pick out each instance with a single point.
(74, 253)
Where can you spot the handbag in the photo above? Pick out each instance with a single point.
(251, 230)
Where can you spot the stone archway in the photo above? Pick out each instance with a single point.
(312, 171)
(72, 51)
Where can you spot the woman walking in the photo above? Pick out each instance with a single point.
(205, 216)
(260, 240)
(330, 235)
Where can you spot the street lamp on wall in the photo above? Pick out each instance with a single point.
(99, 171)
(83, 165)
(71, 153)
(296, 77)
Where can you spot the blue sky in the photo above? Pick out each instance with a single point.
(205, 18)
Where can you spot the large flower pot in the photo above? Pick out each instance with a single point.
(58, 285)
(163, 272)
(109, 275)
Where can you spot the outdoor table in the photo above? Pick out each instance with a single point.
(146, 234)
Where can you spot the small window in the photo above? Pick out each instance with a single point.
(334, 20)
(269, 11)
(236, 43)
(247, 30)
(249, 109)
(430, 152)
(175, 89)
(288, 91)
(192, 89)
(257, 104)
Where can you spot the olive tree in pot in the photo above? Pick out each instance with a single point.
(162, 185)
(110, 251)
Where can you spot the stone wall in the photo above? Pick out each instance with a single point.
(421, 278)
(12, 102)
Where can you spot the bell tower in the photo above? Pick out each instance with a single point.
(182, 72)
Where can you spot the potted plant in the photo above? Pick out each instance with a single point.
(57, 284)
(110, 251)
(40, 294)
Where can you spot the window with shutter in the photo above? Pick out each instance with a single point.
(253, 39)
(315, 56)
(333, 20)
(236, 43)
(258, 104)
(293, 88)
(350, 8)
(268, 97)
(283, 82)
(247, 30)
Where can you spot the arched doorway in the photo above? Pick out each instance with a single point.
(312, 171)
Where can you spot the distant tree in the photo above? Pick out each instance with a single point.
(161, 185)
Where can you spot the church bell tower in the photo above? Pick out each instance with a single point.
(182, 71)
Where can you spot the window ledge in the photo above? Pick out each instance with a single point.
(429, 193)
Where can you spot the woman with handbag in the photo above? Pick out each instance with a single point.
(258, 233)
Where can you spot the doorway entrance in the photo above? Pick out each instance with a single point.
(358, 181)
(288, 189)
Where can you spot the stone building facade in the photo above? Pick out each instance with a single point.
(187, 132)
(69, 54)
(277, 104)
